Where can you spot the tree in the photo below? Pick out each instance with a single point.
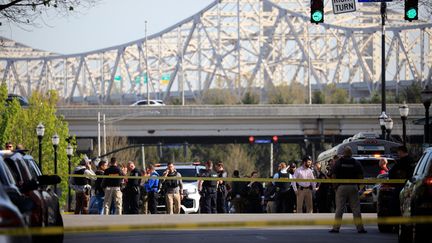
(250, 98)
(27, 11)
(219, 97)
(18, 125)
(287, 94)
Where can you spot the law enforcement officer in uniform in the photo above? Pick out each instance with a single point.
(152, 189)
(347, 168)
(208, 189)
(132, 190)
(173, 190)
(112, 188)
(221, 189)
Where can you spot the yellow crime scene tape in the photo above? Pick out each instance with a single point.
(246, 179)
(211, 225)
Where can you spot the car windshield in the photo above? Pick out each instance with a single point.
(34, 170)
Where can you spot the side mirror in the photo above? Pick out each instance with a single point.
(45, 180)
(29, 186)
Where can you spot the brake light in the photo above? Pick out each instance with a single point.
(9, 218)
(428, 181)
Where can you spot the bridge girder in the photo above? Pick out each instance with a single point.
(236, 45)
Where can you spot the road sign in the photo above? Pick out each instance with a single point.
(374, 1)
(343, 6)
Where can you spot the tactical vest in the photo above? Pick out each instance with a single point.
(172, 183)
(80, 181)
(212, 174)
(284, 186)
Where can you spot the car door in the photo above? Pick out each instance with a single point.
(408, 190)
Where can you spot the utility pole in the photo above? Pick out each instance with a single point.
(383, 68)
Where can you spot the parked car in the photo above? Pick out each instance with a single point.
(21, 99)
(190, 202)
(151, 103)
(46, 210)
(416, 200)
(11, 217)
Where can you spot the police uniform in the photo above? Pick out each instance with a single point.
(221, 194)
(208, 192)
(348, 168)
(173, 191)
(132, 193)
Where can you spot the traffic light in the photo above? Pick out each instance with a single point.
(251, 139)
(275, 139)
(411, 10)
(317, 11)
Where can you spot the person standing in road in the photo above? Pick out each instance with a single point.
(96, 201)
(292, 198)
(132, 190)
(221, 189)
(112, 188)
(255, 195)
(282, 194)
(173, 190)
(81, 186)
(152, 189)
(304, 190)
(348, 168)
(208, 189)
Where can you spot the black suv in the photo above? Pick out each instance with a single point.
(416, 200)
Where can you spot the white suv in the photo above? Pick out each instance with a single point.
(190, 202)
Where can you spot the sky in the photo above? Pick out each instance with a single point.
(109, 23)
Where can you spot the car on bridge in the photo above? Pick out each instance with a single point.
(190, 202)
(151, 103)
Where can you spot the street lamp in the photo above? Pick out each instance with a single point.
(388, 126)
(55, 141)
(403, 111)
(426, 96)
(40, 130)
(382, 119)
(69, 152)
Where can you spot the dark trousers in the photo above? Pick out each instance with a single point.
(152, 198)
(208, 201)
(221, 202)
(82, 202)
(130, 202)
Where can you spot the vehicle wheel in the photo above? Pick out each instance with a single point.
(405, 234)
(385, 228)
(58, 238)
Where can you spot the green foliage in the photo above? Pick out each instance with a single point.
(318, 97)
(412, 93)
(335, 95)
(18, 125)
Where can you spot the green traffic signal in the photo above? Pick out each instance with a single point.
(317, 16)
(411, 14)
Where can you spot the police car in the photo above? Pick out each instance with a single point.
(190, 202)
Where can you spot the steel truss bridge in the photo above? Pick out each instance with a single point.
(235, 45)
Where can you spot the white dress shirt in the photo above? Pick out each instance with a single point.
(303, 173)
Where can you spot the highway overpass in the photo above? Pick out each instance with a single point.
(223, 124)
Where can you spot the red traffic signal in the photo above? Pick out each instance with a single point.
(251, 139)
(275, 139)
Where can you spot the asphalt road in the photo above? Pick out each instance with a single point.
(307, 233)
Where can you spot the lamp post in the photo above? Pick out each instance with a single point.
(426, 96)
(403, 111)
(69, 152)
(40, 130)
(382, 119)
(388, 126)
(55, 141)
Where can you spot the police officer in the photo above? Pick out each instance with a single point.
(208, 189)
(348, 168)
(221, 189)
(132, 190)
(282, 189)
(112, 188)
(173, 190)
